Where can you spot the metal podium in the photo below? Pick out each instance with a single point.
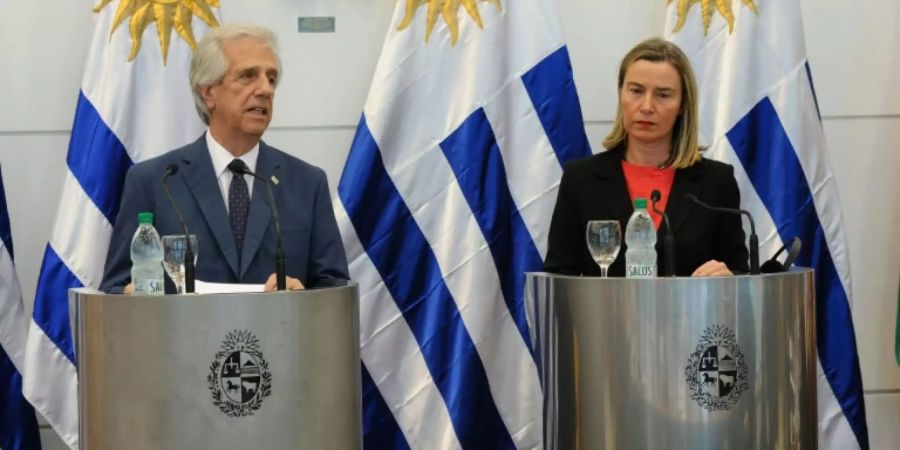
(222, 371)
(676, 363)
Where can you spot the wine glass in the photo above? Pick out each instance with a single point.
(173, 257)
(604, 238)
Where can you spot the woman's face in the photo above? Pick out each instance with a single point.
(650, 100)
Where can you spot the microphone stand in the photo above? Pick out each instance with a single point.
(754, 240)
(189, 252)
(669, 239)
(280, 259)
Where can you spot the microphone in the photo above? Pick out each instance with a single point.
(754, 240)
(189, 252)
(774, 266)
(240, 167)
(669, 240)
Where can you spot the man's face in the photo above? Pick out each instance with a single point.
(240, 107)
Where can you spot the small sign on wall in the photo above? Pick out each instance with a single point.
(316, 24)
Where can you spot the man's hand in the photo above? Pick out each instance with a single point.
(712, 268)
(129, 289)
(292, 283)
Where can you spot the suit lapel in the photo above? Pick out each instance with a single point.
(613, 191)
(687, 181)
(200, 177)
(260, 213)
(618, 201)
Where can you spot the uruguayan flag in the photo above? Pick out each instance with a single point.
(18, 425)
(758, 112)
(445, 202)
(135, 103)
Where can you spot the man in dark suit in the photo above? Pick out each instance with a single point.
(234, 72)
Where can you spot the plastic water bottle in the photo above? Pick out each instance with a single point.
(640, 236)
(146, 258)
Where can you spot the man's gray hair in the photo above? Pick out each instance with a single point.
(209, 65)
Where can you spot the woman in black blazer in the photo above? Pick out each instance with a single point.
(655, 129)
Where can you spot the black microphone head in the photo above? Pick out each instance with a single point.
(771, 266)
(655, 196)
(238, 166)
(172, 169)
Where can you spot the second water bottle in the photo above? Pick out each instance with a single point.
(640, 236)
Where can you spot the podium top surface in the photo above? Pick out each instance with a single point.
(793, 273)
(348, 288)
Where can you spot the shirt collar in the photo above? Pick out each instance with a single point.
(222, 157)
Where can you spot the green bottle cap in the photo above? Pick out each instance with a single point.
(145, 217)
(640, 203)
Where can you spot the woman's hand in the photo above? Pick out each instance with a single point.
(712, 268)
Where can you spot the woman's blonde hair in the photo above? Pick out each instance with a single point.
(685, 136)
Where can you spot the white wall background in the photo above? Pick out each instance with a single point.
(853, 47)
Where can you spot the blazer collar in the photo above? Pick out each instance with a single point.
(608, 169)
(613, 190)
(200, 177)
(687, 181)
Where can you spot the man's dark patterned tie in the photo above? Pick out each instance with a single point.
(238, 202)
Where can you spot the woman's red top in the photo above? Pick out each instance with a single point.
(642, 180)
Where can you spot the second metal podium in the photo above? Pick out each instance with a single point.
(676, 363)
(224, 371)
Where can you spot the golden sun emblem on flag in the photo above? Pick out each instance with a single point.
(167, 14)
(706, 11)
(449, 9)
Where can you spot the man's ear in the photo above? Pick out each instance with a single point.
(206, 95)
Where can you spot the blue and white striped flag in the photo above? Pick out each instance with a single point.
(135, 103)
(18, 424)
(758, 112)
(444, 203)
